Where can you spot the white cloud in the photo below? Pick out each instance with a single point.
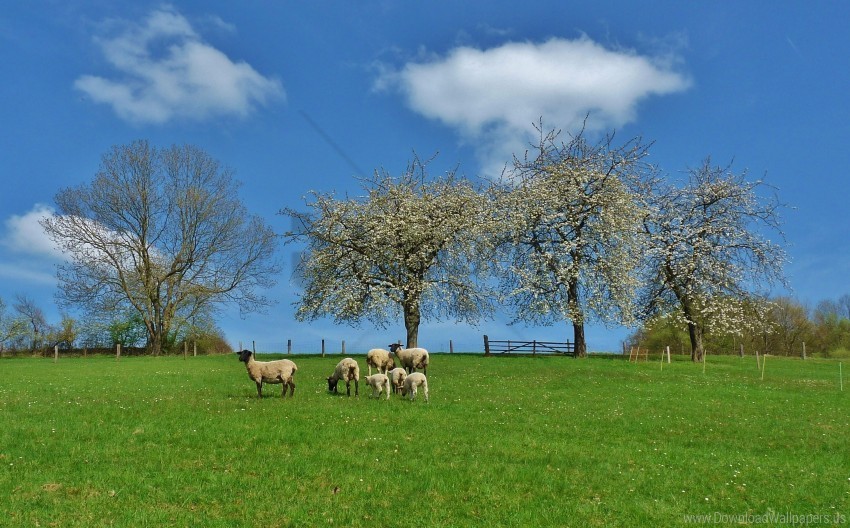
(165, 71)
(493, 96)
(24, 234)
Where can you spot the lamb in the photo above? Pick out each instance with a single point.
(380, 359)
(346, 370)
(412, 382)
(397, 376)
(279, 371)
(379, 382)
(411, 358)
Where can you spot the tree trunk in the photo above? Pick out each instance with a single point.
(695, 333)
(579, 340)
(412, 318)
(577, 317)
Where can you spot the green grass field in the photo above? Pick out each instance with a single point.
(530, 442)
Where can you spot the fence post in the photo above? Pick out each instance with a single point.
(288, 346)
(486, 345)
(343, 347)
(194, 348)
(323, 348)
(117, 351)
(451, 347)
(804, 350)
(534, 347)
(55, 353)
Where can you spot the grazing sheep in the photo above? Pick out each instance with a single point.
(279, 371)
(380, 359)
(412, 382)
(411, 358)
(397, 376)
(379, 383)
(346, 370)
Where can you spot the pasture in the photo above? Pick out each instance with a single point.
(505, 441)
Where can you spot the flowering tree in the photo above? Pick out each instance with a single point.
(412, 245)
(706, 255)
(573, 229)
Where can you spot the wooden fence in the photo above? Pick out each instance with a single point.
(532, 347)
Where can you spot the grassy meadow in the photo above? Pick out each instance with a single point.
(505, 441)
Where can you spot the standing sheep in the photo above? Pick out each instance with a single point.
(412, 382)
(346, 370)
(411, 358)
(379, 383)
(380, 359)
(397, 376)
(279, 371)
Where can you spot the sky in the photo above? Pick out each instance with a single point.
(297, 97)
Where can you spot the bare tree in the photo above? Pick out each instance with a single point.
(707, 252)
(30, 312)
(161, 232)
(412, 245)
(573, 237)
(844, 305)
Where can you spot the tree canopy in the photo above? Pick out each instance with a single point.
(163, 233)
(412, 245)
(572, 234)
(708, 255)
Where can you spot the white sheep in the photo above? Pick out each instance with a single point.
(379, 383)
(412, 382)
(380, 359)
(279, 371)
(397, 376)
(347, 370)
(411, 358)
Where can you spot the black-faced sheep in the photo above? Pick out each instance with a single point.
(279, 371)
(347, 370)
(380, 359)
(411, 358)
(379, 383)
(412, 382)
(397, 376)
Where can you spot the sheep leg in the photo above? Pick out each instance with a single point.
(356, 388)
(259, 389)
(348, 387)
(291, 388)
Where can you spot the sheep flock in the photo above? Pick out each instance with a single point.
(402, 380)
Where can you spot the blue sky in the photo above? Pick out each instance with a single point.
(301, 96)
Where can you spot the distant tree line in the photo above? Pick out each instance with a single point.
(24, 329)
(783, 326)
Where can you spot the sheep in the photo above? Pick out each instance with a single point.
(279, 371)
(397, 376)
(411, 358)
(346, 370)
(379, 382)
(412, 382)
(380, 359)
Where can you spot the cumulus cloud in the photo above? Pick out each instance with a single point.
(27, 255)
(493, 96)
(165, 71)
(24, 235)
